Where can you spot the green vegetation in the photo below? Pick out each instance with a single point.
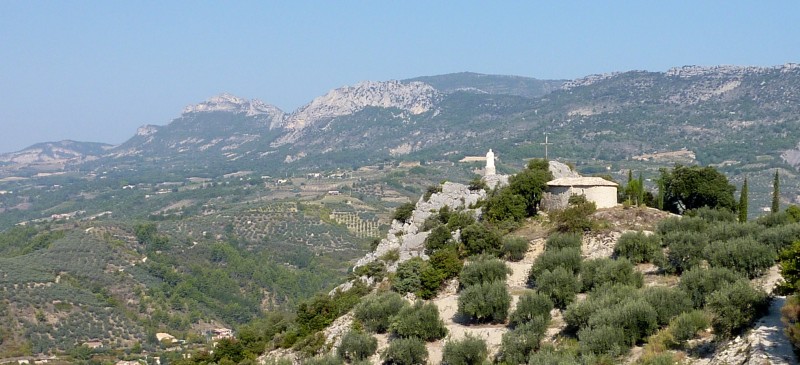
(598, 272)
(484, 269)
(736, 306)
(577, 216)
(375, 310)
(357, 346)
(521, 197)
(559, 285)
(470, 350)
(403, 212)
(420, 320)
(692, 187)
(531, 305)
(485, 302)
(514, 248)
(557, 241)
(743, 203)
(518, 344)
(478, 239)
(406, 351)
(639, 247)
(776, 194)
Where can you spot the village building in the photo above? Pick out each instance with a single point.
(596, 189)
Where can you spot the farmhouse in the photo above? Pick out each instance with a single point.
(598, 190)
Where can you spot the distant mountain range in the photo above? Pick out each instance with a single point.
(746, 117)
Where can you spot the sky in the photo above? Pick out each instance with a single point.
(97, 70)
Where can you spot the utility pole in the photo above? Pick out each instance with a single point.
(545, 144)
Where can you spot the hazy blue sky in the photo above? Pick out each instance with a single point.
(96, 70)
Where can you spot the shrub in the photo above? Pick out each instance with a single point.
(530, 306)
(407, 278)
(578, 314)
(446, 260)
(793, 211)
(437, 239)
(390, 256)
(459, 220)
(323, 360)
(774, 219)
(517, 344)
(780, 237)
(560, 285)
(505, 205)
(725, 231)
(668, 302)
(602, 340)
(699, 282)
(660, 359)
(744, 255)
(483, 270)
(478, 239)
(681, 224)
(790, 270)
(375, 310)
(577, 216)
(403, 212)
(686, 325)
(637, 318)
(431, 280)
(549, 356)
(712, 215)
(557, 241)
(477, 183)
(639, 247)
(430, 191)
(567, 258)
(357, 346)
(514, 248)
(597, 272)
(790, 316)
(406, 351)
(485, 302)
(420, 320)
(685, 249)
(470, 350)
(530, 183)
(736, 306)
(375, 269)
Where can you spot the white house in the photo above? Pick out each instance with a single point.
(598, 190)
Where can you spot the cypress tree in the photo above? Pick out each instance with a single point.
(776, 194)
(629, 188)
(640, 195)
(743, 203)
(661, 187)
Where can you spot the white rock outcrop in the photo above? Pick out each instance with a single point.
(407, 238)
(229, 103)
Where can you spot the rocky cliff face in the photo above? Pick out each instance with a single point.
(229, 103)
(407, 237)
(53, 155)
(413, 97)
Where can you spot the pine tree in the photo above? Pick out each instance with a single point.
(776, 194)
(743, 203)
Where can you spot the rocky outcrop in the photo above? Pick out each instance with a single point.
(413, 97)
(232, 104)
(562, 170)
(407, 238)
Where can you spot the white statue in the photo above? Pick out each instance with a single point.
(489, 164)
